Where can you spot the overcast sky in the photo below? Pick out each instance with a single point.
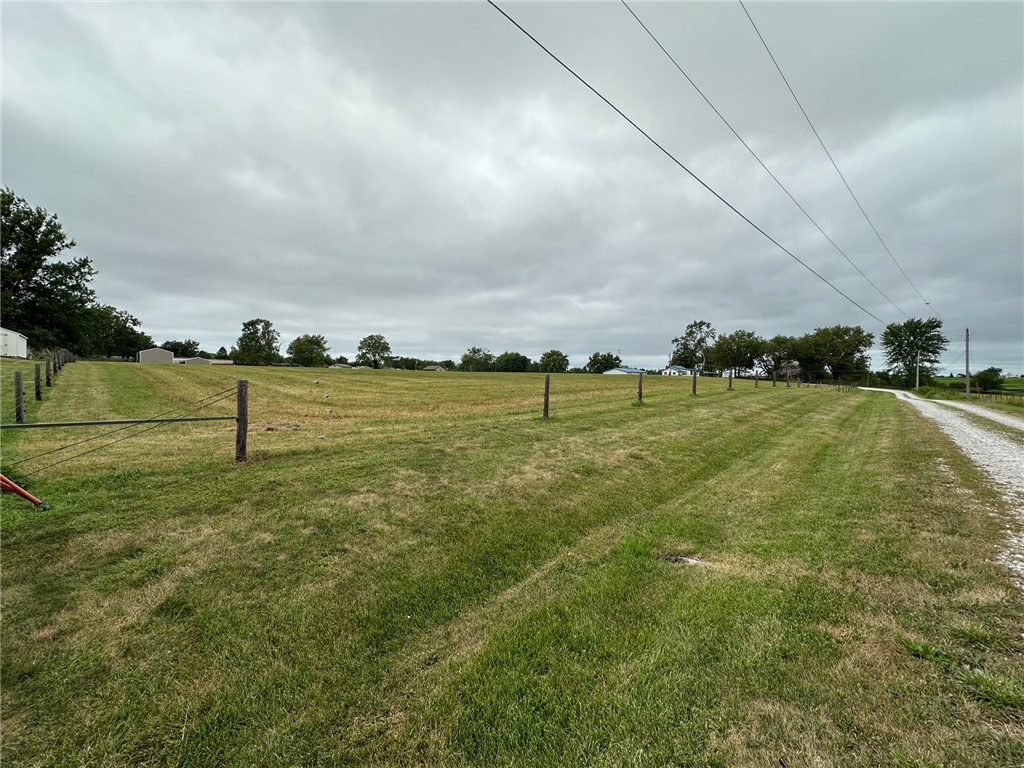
(426, 172)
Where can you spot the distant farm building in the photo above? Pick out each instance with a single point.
(623, 371)
(677, 370)
(156, 355)
(340, 365)
(14, 344)
(196, 361)
(434, 368)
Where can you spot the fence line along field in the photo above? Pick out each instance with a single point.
(414, 568)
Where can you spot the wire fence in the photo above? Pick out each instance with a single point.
(136, 427)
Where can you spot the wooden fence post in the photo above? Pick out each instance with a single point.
(547, 394)
(693, 385)
(48, 380)
(38, 382)
(241, 419)
(640, 388)
(19, 400)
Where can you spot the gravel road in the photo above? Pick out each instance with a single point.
(999, 455)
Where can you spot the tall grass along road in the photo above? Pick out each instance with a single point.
(999, 454)
(416, 569)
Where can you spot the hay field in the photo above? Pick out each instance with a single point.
(418, 570)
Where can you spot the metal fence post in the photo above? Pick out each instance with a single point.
(38, 383)
(547, 394)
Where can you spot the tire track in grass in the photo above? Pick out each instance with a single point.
(440, 650)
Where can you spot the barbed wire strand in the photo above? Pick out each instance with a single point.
(120, 439)
(112, 431)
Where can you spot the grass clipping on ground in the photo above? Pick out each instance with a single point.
(417, 569)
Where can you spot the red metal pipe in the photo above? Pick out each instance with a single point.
(8, 485)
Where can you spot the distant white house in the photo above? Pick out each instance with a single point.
(340, 365)
(196, 361)
(677, 370)
(156, 355)
(434, 368)
(13, 344)
(624, 371)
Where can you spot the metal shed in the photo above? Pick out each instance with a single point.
(14, 344)
(156, 355)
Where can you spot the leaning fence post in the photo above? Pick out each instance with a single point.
(547, 394)
(241, 419)
(38, 382)
(640, 388)
(19, 400)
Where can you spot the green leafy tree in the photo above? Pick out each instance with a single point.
(112, 332)
(309, 351)
(839, 350)
(45, 299)
(259, 344)
(989, 380)
(477, 359)
(341, 360)
(373, 351)
(186, 348)
(777, 353)
(601, 362)
(903, 342)
(222, 354)
(512, 362)
(554, 361)
(691, 348)
(736, 351)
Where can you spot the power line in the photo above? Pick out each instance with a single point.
(680, 164)
(758, 159)
(834, 165)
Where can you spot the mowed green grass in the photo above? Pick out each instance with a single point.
(430, 574)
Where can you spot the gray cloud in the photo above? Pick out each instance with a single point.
(424, 171)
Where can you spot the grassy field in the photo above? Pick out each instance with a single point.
(1010, 382)
(418, 570)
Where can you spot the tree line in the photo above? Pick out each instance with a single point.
(837, 353)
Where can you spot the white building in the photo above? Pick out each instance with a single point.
(156, 355)
(196, 361)
(623, 371)
(13, 344)
(677, 370)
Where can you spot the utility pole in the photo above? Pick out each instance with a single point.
(967, 360)
(917, 375)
